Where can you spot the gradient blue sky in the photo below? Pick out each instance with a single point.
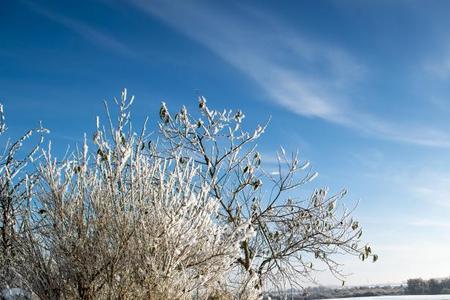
(361, 88)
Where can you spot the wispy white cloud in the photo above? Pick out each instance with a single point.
(260, 52)
(309, 78)
(88, 32)
(407, 221)
(434, 188)
(438, 224)
(403, 132)
(418, 181)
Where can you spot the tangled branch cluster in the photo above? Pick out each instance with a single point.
(189, 215)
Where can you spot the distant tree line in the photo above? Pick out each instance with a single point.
(416, 286)
(322, 292)
(419, 286)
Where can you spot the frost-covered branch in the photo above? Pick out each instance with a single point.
(186, 213)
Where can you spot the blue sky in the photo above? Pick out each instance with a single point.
(361, 88)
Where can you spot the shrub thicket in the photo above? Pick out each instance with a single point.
(185, 213)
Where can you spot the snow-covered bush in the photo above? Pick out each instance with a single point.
(295, 236)
(122, 222)
(189, 215)
(16, 181)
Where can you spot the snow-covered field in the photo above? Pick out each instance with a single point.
(415, 297)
